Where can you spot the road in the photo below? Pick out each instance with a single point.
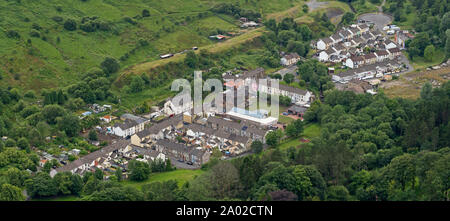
(380, 8)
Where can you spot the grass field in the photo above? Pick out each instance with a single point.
(409, 85)
(214, 48)
(421, 63)
(57, 56)
(284, 119)
(181, 176)
(335, 6)
(310, 131)
(362, 8)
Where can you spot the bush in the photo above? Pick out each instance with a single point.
(12, 34)
(93, 135)
(35, 34)
(58, 19)
(145, 13)
(70, 25)
(110, 65)
(139, 170)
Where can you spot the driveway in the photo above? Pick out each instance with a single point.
(183, 165)
(405, 61)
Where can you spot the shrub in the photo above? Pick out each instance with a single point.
(70, 25)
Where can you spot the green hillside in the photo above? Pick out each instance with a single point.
(36, 51)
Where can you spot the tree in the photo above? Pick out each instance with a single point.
(92, 185)
(224, 180)
(98, 174)
(282, 195)
(145, 13)
(10, 192)
(64, 182)
(347, 18)
(51, 112)
(116, 194)
(191, 59)
(401, 170)
(93, 135)
(118, 174)
(285, 100)
(16, 177)
(447, 43)
(70, 124)
(77, 184)
(139, 170)
(161, 191)
(273, 138)
(338, 193)
(137, 84)
(426, 92)
(305, 8)
(110, 65)
(23, 144)
(41, 185)
(295, 128)
(70, 25)
(257, 146)
(288, 78)
(429, 53)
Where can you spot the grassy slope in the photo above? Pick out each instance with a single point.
(310, 131)
(331, 5)
(409, 85)
(56, 63)
(181, 176)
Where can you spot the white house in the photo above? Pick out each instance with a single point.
(297, 95)
(349, 63)
(172, 109)
(323, 56)
(324, 43)
(290, 59)
(132, 124)
(127, 128)
(389, 44)
(354, 62)
(321, 45)
(382, 55)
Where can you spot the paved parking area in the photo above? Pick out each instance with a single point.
(182, 165)
(379, 19)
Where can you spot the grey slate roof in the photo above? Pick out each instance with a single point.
(94, 155)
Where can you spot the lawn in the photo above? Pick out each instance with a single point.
(180, 175)
(311, 130)
(213, 48)
(330, 6)
(364, 8)
(292, 142)
(420, 62)
(284, 119)
(57, 57)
